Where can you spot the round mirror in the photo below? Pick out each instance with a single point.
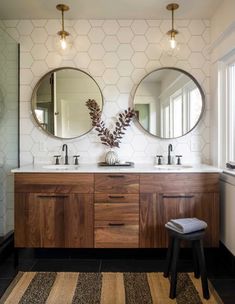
(59, 102)
(168, 102)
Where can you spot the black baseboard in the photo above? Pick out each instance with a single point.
(227, 257)
(6, 245)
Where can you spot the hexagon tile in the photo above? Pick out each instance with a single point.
(117, 54)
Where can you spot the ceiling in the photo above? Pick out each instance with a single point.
(107, 9)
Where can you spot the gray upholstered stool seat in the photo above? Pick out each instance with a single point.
(198, 256)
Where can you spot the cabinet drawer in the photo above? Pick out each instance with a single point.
(116, 183)
(124, 236)
(179, 182)
(112, 198)
(54, 182)
(117, 212)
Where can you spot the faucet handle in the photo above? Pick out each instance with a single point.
(76, 159)
(178, 159)
(159, 161)
(57, 162)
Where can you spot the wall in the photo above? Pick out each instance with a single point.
(8, 127)
(117, 53)
(223, 44)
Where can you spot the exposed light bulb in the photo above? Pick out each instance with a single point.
(63, 43)
(173, 43)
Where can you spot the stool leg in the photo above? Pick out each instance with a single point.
(202, 264)
(169, 257)
(174, 268)
(195, 261)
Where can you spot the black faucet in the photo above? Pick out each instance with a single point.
(169, 154)
(66, 160)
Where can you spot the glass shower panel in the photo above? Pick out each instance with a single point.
(9, 118)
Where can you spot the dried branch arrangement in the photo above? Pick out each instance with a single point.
(107, 137)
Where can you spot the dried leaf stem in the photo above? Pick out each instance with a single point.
(107, 137)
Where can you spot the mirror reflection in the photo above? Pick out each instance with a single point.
(59, 102)
(168, 103)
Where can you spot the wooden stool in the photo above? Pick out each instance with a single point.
(198, 257)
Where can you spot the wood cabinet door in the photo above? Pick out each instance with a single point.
(39, 220)
(79, 214)
(157, 209)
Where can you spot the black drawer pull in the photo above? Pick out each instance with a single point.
(116, 224)
(116, 196)
(116, 176)
(178, 196)
(53, 195)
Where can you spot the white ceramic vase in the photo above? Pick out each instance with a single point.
(111, 157)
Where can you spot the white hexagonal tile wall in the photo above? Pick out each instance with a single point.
(196, 44)
(125, 51)
(53, 59)
(154, 35)
(139, 27)
(153, 51)
(39, 68)
(110, 93)
(196, 27)
(26, 43)
(96, 51)
(96, 35)
(125, 68)
(196, 60)
(26, 76)
(96, 68)
(110, 76)
(125, 84)
(139, 43)
(117, 53)
(82, 43)
(39, 35)
(53, 27)
(39, 52)
(139, 60)
(125, 35)
(82, 60)
(110, 27)
(110, 60)
(25, 27)
(26, 60)
(110, 43)
(82, 27)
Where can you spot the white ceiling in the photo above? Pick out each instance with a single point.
(107, 9)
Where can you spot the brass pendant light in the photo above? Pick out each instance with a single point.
(63, 34)
(173, 32)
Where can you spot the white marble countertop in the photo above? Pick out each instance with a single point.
(138, 168)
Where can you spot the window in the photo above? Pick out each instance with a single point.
(180, 111)
(227, 111)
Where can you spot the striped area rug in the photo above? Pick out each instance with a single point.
(103, 288)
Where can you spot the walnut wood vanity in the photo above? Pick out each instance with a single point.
(110, 210)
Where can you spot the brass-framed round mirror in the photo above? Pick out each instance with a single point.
(168, 102)
(59, 102)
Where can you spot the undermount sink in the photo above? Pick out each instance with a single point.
(172, 167)
(61, 167)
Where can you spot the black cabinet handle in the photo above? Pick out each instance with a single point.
(116, 176)
(178, 196)
(53, 195)
(116, 224)
(116, 196)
